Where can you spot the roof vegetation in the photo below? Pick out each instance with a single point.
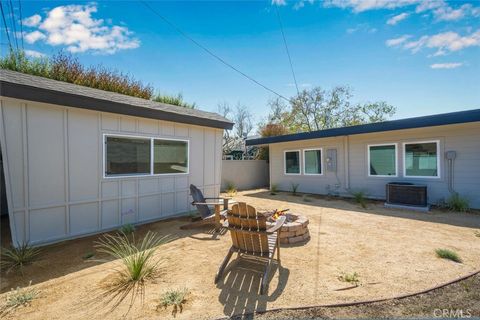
(67, 68)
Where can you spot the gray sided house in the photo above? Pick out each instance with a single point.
(79, 160)
(367, 157)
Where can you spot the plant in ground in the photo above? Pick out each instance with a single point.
(88, 255)
(305, 198)
(19, 297)
(127, 229)
(230, 189)
(350, 278)
(18, 257)
(448, 254)
(458, 203)
(175, 298)
(477, 234)
(359, 197)
(294, 187)
(273, 189)
(137, 264)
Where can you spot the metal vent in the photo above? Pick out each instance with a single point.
(403, 193)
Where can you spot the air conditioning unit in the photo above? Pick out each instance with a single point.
(406, 194)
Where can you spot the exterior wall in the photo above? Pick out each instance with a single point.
(245, 174)
(353, 173)
(53, 160)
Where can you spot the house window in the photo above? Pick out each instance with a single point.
(312, 159)
(382, 160)
(421, 159)
(127, 156)
(292, 162)
(170, 156)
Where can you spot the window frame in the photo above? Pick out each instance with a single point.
(396, 160)
(151, 174)
(285, 163)
(438, 176)
(321, 161)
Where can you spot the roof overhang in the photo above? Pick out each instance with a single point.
(32, 93)
(410, 123)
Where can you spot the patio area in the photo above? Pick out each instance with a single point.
(391, 251)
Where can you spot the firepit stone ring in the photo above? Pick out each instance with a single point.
(294, 230)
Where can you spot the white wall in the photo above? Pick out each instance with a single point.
(352, 173)
(53, 159)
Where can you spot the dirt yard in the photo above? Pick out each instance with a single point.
(392, 251)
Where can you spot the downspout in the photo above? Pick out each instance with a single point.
(450, 155)
(347, 162)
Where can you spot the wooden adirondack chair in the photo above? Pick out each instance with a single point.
(203, 206)
(251, 237)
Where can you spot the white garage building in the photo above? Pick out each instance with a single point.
(78, 160)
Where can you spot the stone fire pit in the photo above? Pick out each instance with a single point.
(294, 230)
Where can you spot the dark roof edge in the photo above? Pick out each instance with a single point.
(409, 123)
(20, 91)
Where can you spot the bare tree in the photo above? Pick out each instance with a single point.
(243, 121)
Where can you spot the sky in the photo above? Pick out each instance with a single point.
(423, 57)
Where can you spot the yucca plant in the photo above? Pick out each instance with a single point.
(230, 189)
(175, 298)
(137, 264)
(359, 197)
(15, 258)
(127, 229)
(294, 188)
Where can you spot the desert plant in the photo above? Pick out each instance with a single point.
(175, 298)
(17, 257)
(350, 278)
(19, 297)
(477, 234)
(230, 189)
(88, 255)
(457, 203)
(137, 263)
(359, 197)
(127, 229)
(294, 187)
(273, 189)
(305, 198)
(448, 254)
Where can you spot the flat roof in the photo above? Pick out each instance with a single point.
(410, 123)
(33, 88)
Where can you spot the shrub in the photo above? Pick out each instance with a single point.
(294, 188)
(18, 257)
(20, 297)
(88, 255)
(448, 254)
(138, 264)
(175, 298)
(127, 229)
(175, 100)
(230, 189)
(477, 234)
(350, 278)
(273, 189)
(359, 197)
(458, 203)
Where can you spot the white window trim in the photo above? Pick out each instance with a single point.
(396, 160)
(438, 176)
(321, 161)
(151, 174)
(285, 163)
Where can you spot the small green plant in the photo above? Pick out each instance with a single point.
(230, 189)
(273, 189)
(477, 234)
(458, 203)
(127, 229)
(17, 257)
(88, 255)
(448, 254)
(305, 198)
(175, 298)
(19, 297)
(350, 278)
(359, 197)
(294, 187)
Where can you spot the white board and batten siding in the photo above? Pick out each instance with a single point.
(54, 171)
(352, 162)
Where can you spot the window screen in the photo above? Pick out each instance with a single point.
(292, 162)
(313, 161)
(126, 156)
(382, 160)
(421, 159)
(170, 156)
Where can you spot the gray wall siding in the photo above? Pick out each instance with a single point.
(54, 163)
(462, 138)
(245, 174)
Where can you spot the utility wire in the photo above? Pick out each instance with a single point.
(286, 48)
(21, 22)
(14, 28)
(6, 27)
(185, 35)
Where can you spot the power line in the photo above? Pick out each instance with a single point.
(210, 52)
(14, 28)
(21, 22)
(6, 27)
(286, 48)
